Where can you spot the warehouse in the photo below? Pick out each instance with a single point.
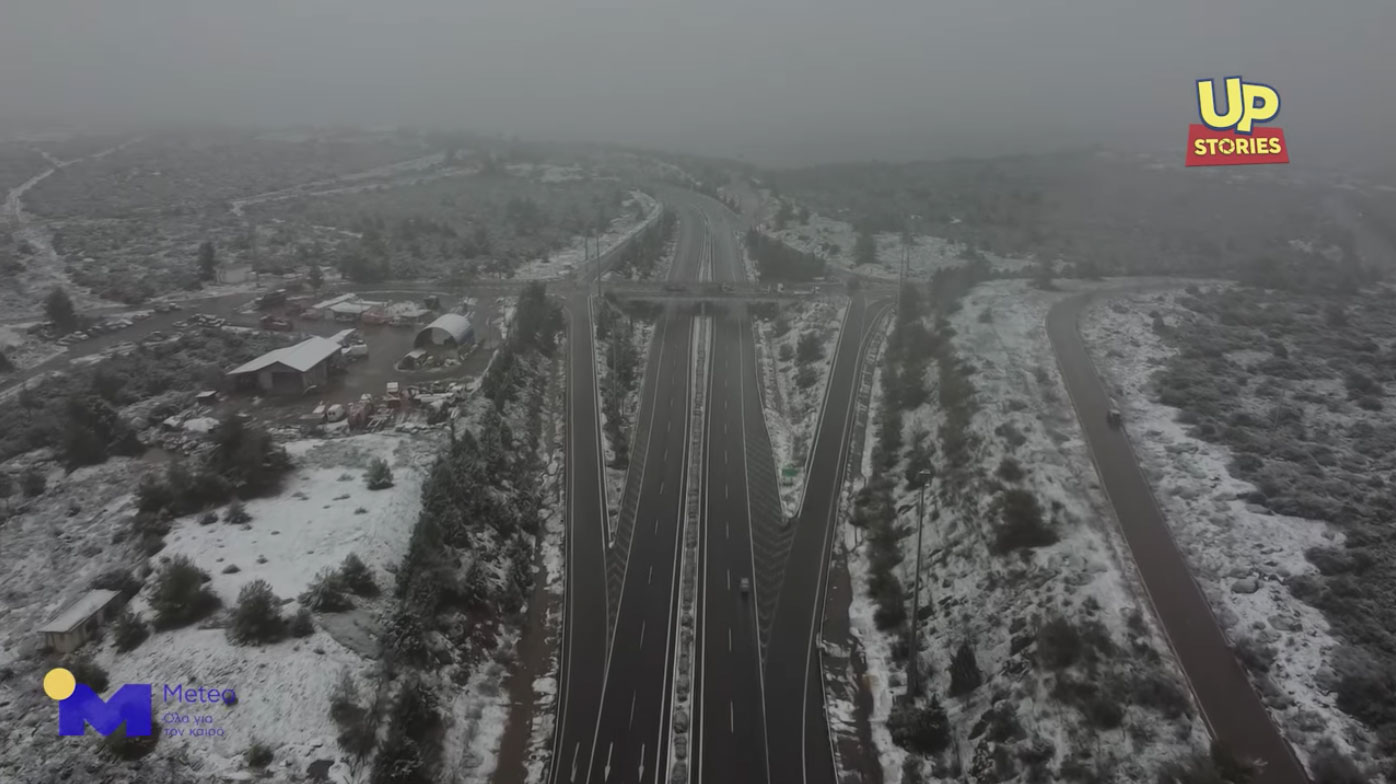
(450, 330)
(79, 621)
(291, 370)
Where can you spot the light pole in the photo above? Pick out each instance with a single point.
(914, 654)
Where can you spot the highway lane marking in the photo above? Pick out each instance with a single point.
(731, 717)
(631, 723)
(642, 635)
(650, 579)
(729, 639)
(726, 491)
(656, 532)
(642, 762)
(575, 748)
(661, 490)
(729, 579)
(609, 749)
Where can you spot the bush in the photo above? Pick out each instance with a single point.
(301, 624)
(808, 349)
(1258, 657)
(785, 353)
(805, 377)
(127, 748)
(964, 672)
(327, 593)
(88, 673)
(180, 597)
(1009, 470)
(257, 617)
(357, 577)
(1058, 644)
(1330, 767)
(1022, 527)
(208, 518)
(128, 631)
(119, 580)
(258, 755)
(923, 730)
(32, 483)
(379, 475)
(344, 700)
(237, 514)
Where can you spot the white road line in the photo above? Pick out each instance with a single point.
(729, 639)
(642, 635)
(650, 579)
(729, 579)
(661, 487)
(726, 491)
(576, 747)
(731, 717)
(656, 531)
(631, 723)
(609, 749)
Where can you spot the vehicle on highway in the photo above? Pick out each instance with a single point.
(1112, 417)
(745, 586)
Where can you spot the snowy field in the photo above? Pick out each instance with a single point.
(1240, 554)
(792, 411)
(630, 407)
(323, 514)
(834, 240)
(564, 262)
(993, 603)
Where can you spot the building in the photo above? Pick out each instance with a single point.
(79, 621)
(450, 330)
(291, 370)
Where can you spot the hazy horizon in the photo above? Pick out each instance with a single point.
(782, 83)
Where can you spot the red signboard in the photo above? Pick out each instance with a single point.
(1207, 147)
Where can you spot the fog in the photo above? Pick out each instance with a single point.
(772, 81)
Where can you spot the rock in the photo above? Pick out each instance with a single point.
(1286, 623)
(1247, 585)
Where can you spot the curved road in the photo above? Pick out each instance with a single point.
(1229, 704)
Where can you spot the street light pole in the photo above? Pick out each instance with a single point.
(914, 654)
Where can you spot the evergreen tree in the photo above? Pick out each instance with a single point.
(208, 261)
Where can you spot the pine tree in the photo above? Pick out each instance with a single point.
(208, 261)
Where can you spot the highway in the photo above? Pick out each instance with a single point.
(729, 728)
(614, 706)
(1230, 706)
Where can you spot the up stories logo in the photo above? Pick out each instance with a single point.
(1236, 135)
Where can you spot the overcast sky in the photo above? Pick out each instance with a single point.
(774, 81)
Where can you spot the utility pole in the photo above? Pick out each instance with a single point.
(914, 654)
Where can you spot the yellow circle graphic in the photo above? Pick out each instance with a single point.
(59, 684)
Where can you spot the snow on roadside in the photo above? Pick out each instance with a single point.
(792, 411)
(1228, 544)
(564, 262)
(630, 407)
(995, 603)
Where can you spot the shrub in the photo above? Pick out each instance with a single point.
(805, 377)
(785, 353)
(808, 349)
(208, 518)
(88, 673)
(1330, 767)
(357, 577)
(344, 700)
(1258, 657)
(301, 624)
(258, 755)
(924, 730)
(119, 580)
(257, 617)
(964, 671)
(1058, 644)
(1009, 470)
(379, 475)
(127, 748)
(237, 514)
(180, 596)
(1022, 527)
(128, 631)
(32, 483)
(327, 593)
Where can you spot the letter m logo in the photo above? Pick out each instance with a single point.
(129, 705)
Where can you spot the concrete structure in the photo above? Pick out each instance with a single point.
(452, 329)
(290, 370)
(79, 621)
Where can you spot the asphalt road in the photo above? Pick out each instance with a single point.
(614, 711)
(1229, 704)
(798, 730)
(729, 728)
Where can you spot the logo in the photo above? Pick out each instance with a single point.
(79, 705)
(1236, 135)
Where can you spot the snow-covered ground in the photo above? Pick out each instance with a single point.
(1241, 555)
(996, 602)
(792, 411)
(324, 513)
(640, 339)
(564, 262)
(835, 239)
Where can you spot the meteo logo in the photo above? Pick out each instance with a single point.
(1234, 136)
(79, 705)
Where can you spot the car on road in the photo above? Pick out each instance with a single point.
(745, 586)
(1112, 418)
